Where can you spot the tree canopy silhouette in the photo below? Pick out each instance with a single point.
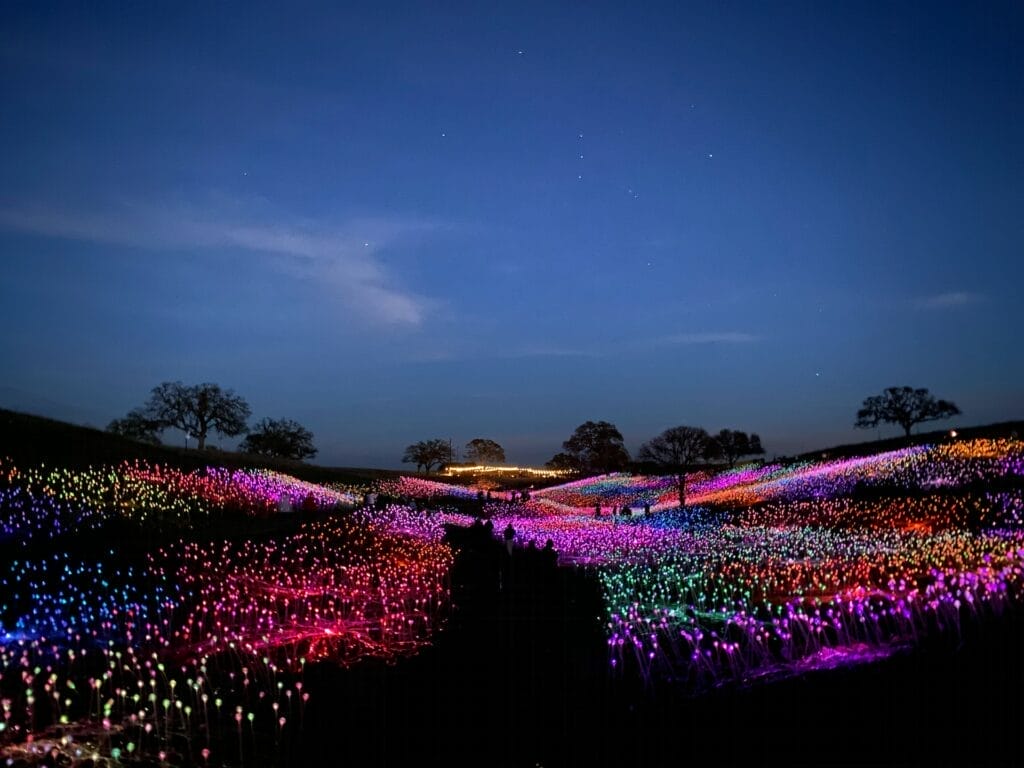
(731, 445)
(595, 447)
(904, 406)
(283, 438)
(484, 451)
(676, 450)
(427, 454)
(197, 410)
(137, 426)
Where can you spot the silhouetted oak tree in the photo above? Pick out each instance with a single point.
(563, 460)
(427, 454)
(731, 445)
(197, 410)
(676, 450)
(283, 438)
(595, 447)
(484, 451)
(904, 406)
(137, 427)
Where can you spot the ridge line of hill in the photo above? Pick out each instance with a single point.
(33, 439)
(27, 438)
(992, 431)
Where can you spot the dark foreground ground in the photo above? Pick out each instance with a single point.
(520, 678)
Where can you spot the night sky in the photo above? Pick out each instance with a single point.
(493, 220)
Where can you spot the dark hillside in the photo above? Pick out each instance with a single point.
(992, 431)
(28, 439)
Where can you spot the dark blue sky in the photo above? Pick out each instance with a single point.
(400, 222)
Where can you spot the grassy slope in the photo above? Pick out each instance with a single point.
(999, 429)
(522, 681)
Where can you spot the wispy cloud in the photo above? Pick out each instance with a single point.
(718, 337)
(344, 259)
(949, 300)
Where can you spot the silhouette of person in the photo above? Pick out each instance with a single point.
(548, 555)
(510, 534)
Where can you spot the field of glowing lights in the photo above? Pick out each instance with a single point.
(191, 645)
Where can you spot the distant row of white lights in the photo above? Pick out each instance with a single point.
(487, 469)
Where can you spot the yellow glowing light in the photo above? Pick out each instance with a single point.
(481, 469)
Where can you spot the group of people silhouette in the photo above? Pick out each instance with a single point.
(514, 562)
(624, 511)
